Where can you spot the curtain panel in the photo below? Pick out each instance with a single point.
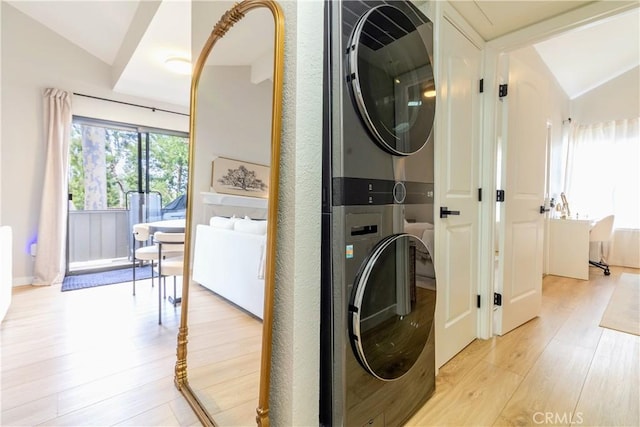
(603, 177)
(603, 171)
(49, 268)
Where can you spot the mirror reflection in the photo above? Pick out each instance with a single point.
(229, 220)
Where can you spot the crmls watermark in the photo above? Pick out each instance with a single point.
(557, 418)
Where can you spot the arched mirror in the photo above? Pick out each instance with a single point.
(224, 341)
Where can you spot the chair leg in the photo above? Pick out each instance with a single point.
(159, 304)
(601, 265)
(133, 268)
(174, 292)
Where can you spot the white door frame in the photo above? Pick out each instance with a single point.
(445, 12)
(488, 121)
(492, 50)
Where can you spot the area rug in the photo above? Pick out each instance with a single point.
(90, 280)
(623, 311)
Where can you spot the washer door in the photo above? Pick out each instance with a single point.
(391, 311)
(391, 76)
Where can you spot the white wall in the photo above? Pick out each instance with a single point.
(6, 238)
(233, 120)
(0, 116)
(34, 58)
(295, 382)
(617, 99)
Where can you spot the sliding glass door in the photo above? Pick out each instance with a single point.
(120, 175)
(167, 171)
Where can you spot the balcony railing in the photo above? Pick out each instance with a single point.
(98, 235)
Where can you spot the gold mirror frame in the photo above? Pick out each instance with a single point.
(232, 16)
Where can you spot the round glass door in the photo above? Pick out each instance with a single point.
(392, 307)
(391, 78)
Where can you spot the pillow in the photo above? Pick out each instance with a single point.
(222, 222)
(250, 226)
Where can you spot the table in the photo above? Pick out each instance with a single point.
(569, 247)
(168, 226)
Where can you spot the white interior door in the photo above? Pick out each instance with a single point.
(524, 140)
(457, 171)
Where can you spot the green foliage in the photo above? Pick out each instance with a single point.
(76, 170)
(168, 166)
(121, 157)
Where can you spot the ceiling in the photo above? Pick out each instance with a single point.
(135, 37)
(581, 59)
(587, 57)
(492, 19)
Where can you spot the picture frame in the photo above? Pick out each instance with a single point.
(240, 178)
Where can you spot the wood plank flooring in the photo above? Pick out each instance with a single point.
(98, 357)
(90, 357)
(558, 369)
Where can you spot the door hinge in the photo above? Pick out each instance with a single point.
(500, 196)
(70, 197)
(478, 301)
(497, 299)
(479, 194)
(481, 85)
(502, 90)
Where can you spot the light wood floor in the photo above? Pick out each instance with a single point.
(98, 357)
(560, 368)
(90, 357)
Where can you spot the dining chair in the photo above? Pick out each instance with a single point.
(170, 247)
(148, 252)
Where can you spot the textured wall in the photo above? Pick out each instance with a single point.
(294, 387)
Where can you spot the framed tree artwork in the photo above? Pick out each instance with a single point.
(241, 178)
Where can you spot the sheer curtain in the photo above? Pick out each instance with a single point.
(49, 265)
(603, 171)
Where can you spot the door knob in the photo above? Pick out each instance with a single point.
(445, 212)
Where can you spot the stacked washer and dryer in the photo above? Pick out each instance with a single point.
(378, 278)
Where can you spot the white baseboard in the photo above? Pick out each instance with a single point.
(22, 281)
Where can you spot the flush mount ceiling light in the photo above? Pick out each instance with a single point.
(178, 65)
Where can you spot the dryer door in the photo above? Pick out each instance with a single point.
(391, 75)
(391, 309)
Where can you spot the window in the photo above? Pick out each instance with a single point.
(120, 175)
(108, 160)
(603, 171)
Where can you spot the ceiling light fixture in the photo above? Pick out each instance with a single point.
(429, 93)
(178, 65)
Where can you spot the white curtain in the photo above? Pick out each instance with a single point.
(52, 231)
(603, 171)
